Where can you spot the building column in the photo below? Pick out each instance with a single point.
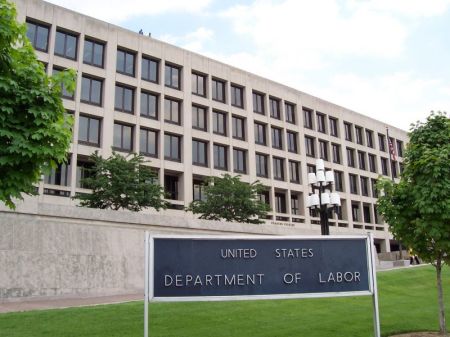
(385, 246)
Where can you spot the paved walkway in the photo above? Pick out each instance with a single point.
(43, 304)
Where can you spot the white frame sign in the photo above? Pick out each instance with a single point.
(230, 268)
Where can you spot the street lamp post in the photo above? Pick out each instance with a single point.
(325, 201)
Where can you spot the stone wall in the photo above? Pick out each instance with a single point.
(49, 250)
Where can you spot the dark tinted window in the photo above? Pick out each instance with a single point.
(218, 90)
(93, 53)
(125, 62)
(277, 138)
(199, 118)
(307, 118)
(219, 123)
(172, 147)
(237, 96)
(260, 134)
(323, 150)
(258, 103)
(359, 135)
(336, 149)
(310, 146)
(239, 161)
(124, 99)
(290, 112)
(294, 171)
(220, 157)
(149, 105)
(278, 168)
(38, 35)
(172, 111)
(292, 142)
(123, 137)
(199, 152)
(172, 77)
(91, 90)
(198, 83)
(238, 128)
(348, 132)
(321, 123)
(274, 108)
(66, 45)
(150, 69)
(89, 130)
(261, 165)
(148, 142)
(334, 127)
(351, 157)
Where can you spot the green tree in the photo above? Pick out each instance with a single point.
(231, 199)
(120, 183)
(418, 207)
(35, 131)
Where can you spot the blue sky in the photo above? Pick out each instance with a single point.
(388, 59)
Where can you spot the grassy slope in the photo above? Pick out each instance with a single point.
(407, 303)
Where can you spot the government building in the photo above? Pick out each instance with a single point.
(193, 117)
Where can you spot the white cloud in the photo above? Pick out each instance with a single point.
(405, 8)
(300, 43)
(397, 99)
(193, 41)
(317, 31)
(116, 11)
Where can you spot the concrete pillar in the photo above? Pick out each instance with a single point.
(385, 246)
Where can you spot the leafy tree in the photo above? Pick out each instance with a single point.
(418, 207)
(35, 132)
(120, 183)
(231, 199)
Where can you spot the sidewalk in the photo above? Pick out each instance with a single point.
(43, 304)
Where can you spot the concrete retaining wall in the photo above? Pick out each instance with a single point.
(49, 250)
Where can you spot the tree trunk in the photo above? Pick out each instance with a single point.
(442, 326)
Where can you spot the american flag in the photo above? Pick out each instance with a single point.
(392, 149)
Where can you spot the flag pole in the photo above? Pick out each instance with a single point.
(391, 152)
(389, 144)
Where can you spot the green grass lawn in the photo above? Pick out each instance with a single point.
(407, 303)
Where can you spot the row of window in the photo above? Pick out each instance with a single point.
(91, 93)
(66, 43)
(358, 136)
(352, 132)
(89, 133)
(361, 186)
(364, 164)
(366, 215)
(124, 98)
(66, 46)
(61, 176)
(371, 164)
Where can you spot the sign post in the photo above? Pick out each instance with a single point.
(223, 268)
(146, 280)
(376, 313)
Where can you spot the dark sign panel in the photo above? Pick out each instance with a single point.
(199, 267)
